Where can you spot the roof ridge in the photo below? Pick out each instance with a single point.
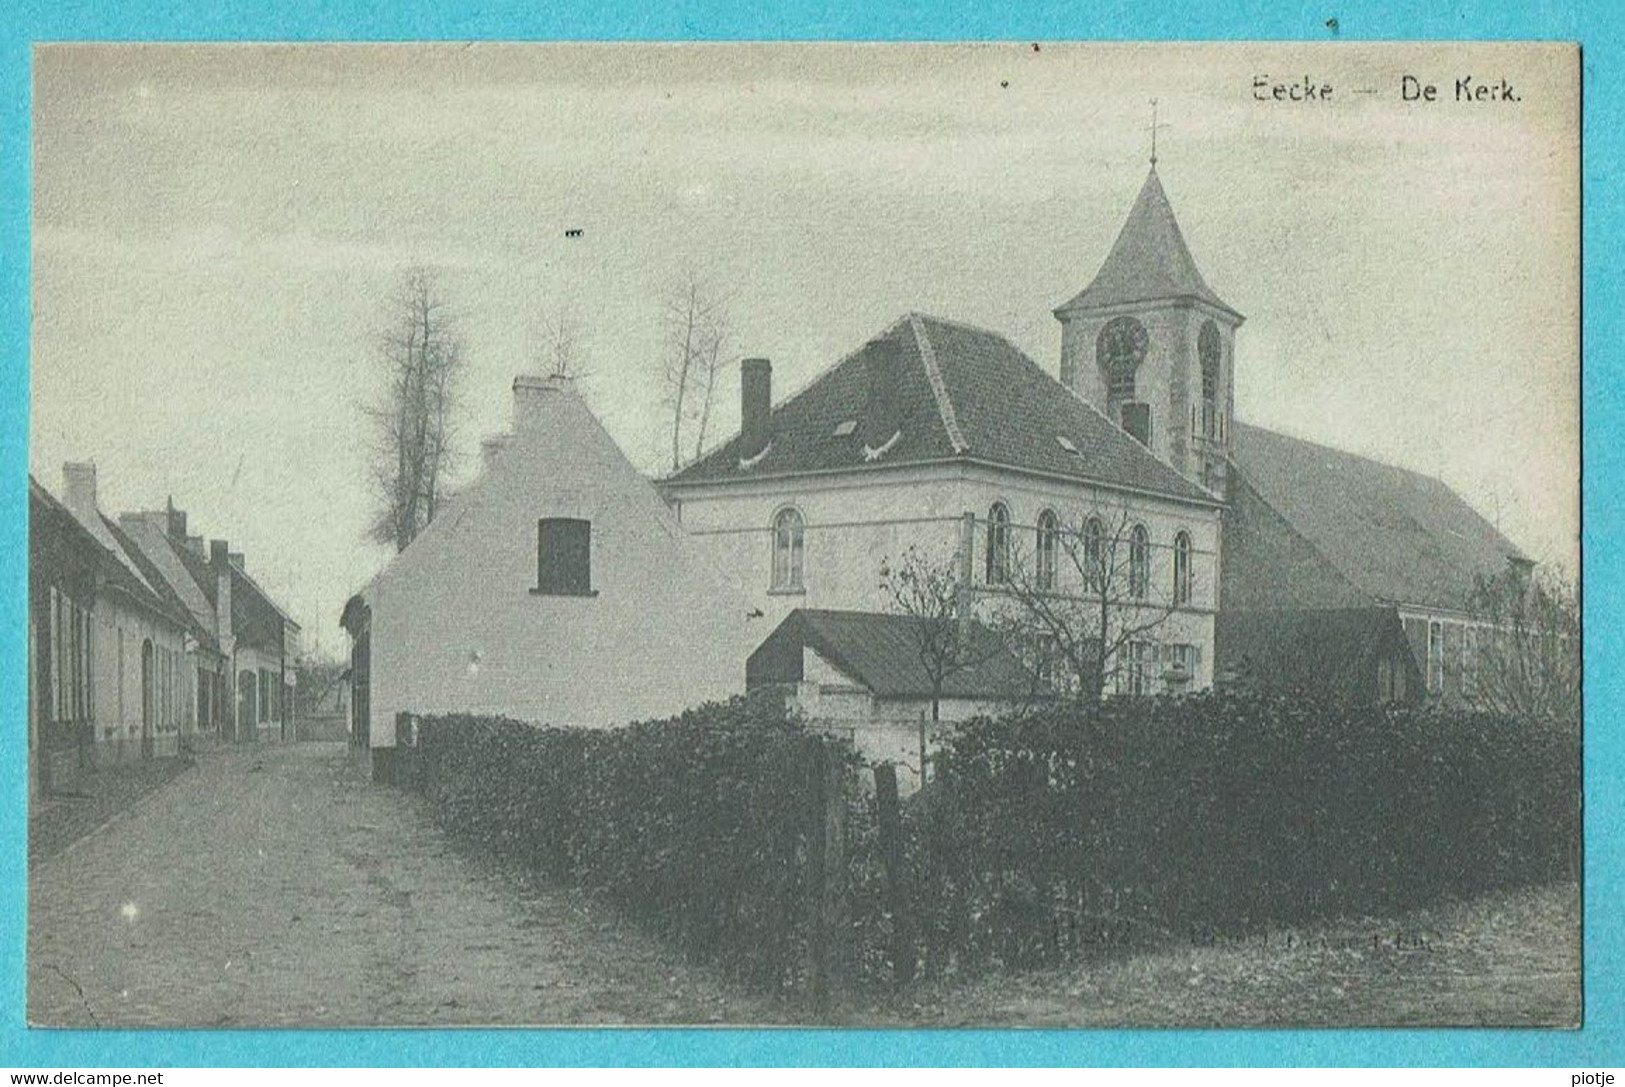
(816, 380)
(939, 388)
(1340, 451)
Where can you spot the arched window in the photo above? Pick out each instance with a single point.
(1208, 352)
(1182, 568)
(998, 544)
(789, 550)
(1094, 555)
(1139, 562)
(1049, 538)
(1119, 350)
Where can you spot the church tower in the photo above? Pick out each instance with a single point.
(1151, 345)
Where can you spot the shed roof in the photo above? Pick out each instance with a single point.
(882, 653)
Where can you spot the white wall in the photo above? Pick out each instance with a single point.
(120, 632)
(456, 627)
(858, 520)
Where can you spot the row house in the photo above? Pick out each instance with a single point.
(140, 640)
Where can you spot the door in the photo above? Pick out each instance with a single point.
(247, 705)
(147, 694)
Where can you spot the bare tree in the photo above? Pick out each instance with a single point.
(561, 345)
(1082, 605)
(931, 593)
(412, 419)
(695, 319)
(1526, 648)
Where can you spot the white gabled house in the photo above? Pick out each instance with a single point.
(557, 588)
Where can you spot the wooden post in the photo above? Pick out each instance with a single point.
(891, 855)
(827, 930)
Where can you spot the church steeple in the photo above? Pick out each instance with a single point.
(1149, 261)
(1151, 344)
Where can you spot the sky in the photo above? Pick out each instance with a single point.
(218, 230)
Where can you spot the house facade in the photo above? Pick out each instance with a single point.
(556, 588)
(945, 438)
(117, 666)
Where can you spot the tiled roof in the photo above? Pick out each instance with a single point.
(1149, 260)
(1329, 651)
(882, 652)
(153, 544)
(1393, 534)
(169, 580)
(963, 393)
(121, 572)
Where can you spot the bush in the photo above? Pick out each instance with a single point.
(696, 826)
(1042, 837)
(1049, 835)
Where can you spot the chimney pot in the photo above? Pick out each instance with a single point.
(194, 544)
(755, 407)
(219, 552)
(177, 523)
(236, 560)
(882, 416)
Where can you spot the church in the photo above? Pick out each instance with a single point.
(1119, 484)
(1254, 556)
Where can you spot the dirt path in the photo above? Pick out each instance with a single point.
(272, 886)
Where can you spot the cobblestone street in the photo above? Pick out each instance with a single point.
(273, 886)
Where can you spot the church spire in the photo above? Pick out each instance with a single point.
(1153, 131)
(1150, 260)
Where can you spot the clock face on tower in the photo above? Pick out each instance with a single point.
(1119, 350)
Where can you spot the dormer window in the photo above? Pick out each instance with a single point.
(563, 557)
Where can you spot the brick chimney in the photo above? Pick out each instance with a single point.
(79, 486)
(236, 560)
(531, 396)
(492, 447)
(220, 562)
(1137, 421)
(194, 544)
(755, 407)
(882, 415)
(176, 521)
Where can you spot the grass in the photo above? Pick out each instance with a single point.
(1511, 958)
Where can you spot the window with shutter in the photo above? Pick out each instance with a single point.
(563, 557)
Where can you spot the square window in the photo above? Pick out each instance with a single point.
(563, 557)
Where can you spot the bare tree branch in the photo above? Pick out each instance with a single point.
(421, 354)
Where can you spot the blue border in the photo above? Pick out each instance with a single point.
(1598, 1044)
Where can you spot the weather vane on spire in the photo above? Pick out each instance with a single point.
(1153, 131)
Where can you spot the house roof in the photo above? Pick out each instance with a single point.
(964, 393)
(120, 571)
(1394, 534)
(1149, 260)
(1324, 650)
(153, 543)
(882, 653)
(168, 578)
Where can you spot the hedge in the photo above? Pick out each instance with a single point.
(1042, 837)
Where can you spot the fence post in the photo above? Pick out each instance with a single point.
(827, 935)
(891, 855)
